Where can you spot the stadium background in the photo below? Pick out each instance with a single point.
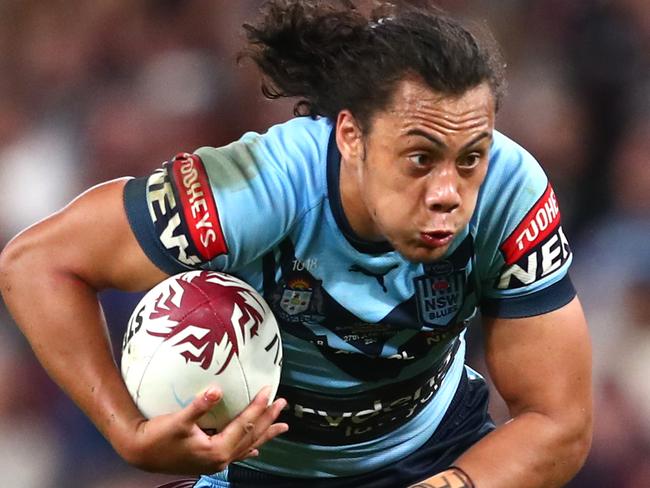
(95, 90)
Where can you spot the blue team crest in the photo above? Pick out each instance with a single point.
(439, 294)
(296, 297)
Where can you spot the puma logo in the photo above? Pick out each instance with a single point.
(355, 268)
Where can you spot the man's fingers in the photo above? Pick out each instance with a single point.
(273, 431)
(263, 430)
(249, 425)
(251, 454)
(240, 426)
(201, 404)
(254, 430)
(271, 414)
(246, 447)
(262, 396)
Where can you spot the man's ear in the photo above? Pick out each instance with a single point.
(349, 137)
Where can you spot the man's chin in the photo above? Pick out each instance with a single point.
(422, 254)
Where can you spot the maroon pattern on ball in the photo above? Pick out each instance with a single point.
(209, 306)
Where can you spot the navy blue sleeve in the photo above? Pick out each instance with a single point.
(542, 301)
(137, 211)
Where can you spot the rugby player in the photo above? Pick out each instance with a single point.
(376, 223)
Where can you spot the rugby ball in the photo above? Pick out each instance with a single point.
(198, 329)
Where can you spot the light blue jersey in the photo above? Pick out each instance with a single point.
(373, 344)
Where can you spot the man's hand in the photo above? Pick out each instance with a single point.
(175, 444)
(65, 263)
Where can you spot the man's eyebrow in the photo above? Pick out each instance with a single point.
(433, 139)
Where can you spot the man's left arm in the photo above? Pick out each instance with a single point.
(541, 366)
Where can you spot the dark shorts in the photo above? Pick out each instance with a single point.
(466, 421)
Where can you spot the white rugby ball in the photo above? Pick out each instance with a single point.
(198, 329)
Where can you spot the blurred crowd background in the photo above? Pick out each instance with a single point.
(95, 90)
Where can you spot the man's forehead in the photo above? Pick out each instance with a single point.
(414, 96)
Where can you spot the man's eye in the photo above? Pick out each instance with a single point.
(470, 161)
(420, 160)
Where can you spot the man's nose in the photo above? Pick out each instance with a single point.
(442, 193)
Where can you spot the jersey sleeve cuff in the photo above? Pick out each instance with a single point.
(137, 212)
(543, 301)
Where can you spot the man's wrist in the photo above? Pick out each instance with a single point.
(453, 477)
(123, 436)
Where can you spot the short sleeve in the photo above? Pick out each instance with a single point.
(222, 208)
(522, 251)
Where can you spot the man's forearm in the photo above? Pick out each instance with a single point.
(530, 451)
(72, 344)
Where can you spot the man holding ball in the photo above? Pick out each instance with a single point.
(375, 225)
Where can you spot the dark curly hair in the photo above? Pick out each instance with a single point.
(332, 57)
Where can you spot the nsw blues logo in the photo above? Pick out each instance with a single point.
(439, 294)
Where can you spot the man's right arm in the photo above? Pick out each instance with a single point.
(49, 277)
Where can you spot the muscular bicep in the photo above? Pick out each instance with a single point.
(91, 239)
(542, 363)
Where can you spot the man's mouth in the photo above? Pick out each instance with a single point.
(437, 238)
